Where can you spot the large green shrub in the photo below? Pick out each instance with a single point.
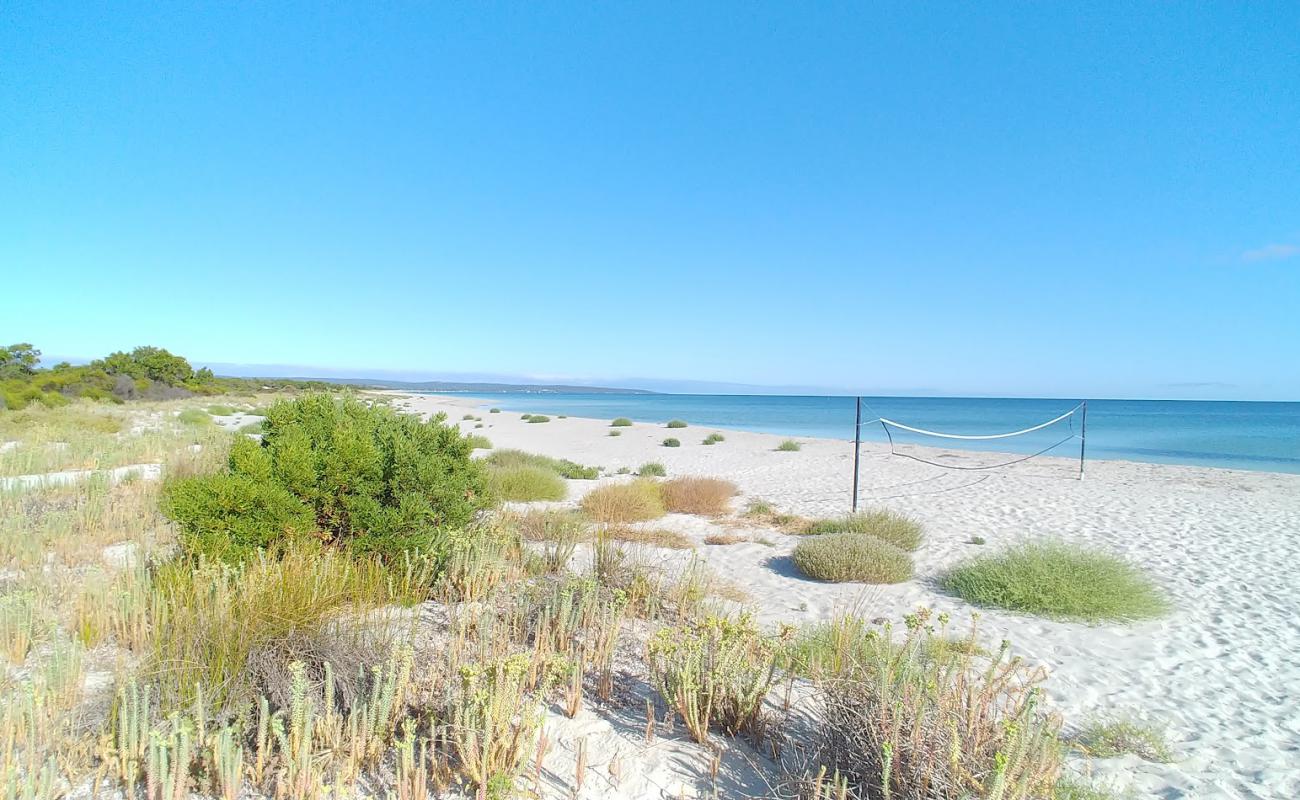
(373, 480)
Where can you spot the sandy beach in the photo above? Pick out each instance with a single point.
(1219, 671)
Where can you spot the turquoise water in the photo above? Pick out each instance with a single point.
(1238, 435)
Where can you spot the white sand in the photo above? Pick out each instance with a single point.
(1222, 671)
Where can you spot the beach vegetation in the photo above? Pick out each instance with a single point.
(194, 416)
(676, 423)
(467, 417)
(789, 446)
(221, 410)
(635, 501)
(715, 671)
(560, 466)
(725, 538)
(494, 411)
(714, 438)
(671, 442)
(1122, 735)
(654, 537)
(525, 484)
(615, 433)
(537, 418)
(621, 422)
(651, 469)
(901, 531)
(857, 557)
(764, 513)
(373, 480)
(707, 496)
(477, 442)
(976, 540)
(1060, 580)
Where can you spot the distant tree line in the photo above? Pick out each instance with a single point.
(145, 373)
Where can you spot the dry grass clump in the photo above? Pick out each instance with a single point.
(725, 538)
(1060, 580)
(655, 537)
(898, 723)
(764, 513)
(637, 501)
(840, 557)
(900, 531)
(708, 496)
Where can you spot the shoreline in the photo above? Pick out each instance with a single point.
(1220, 543)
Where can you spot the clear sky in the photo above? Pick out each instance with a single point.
(1083, 200)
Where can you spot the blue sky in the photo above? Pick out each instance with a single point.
(1042, 199)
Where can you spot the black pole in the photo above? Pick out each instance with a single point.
(1083, 438)
(857, 450)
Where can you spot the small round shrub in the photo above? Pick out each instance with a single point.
(615, 433)
(525, 484)
(900, 531)
(1059, 580)
(637, 501)
(671, 442)
(676, 423)
(840, 557)
(221, 411)
(621, 422)
(652, 469)
(539, 418)
(714, 438)
(469, 417)
(525, 417)
(789, 446)
(708, 496)
(494, 411)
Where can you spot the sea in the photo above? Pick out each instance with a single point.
(1237, 435)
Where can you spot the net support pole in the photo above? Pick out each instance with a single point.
(1083, 436)
(857, 449)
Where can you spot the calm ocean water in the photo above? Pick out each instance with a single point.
(1239, 435)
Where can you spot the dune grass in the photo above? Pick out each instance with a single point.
(900, 531)
(560, 466)
(621, 422)
(536, 418)
(1117, 736)
(637, 501)
(525, 484)
(841, 557)
(654, 537)
(671, 442)
(707, 496)
(194, 416)
(652, 469)
(714, 438)
(477, 442)
(221, 411)
(1059, 580)
(676, 423)
(789, 446)
(725, 538)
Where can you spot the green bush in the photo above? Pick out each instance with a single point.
(194, 416)
(900, 531)
(671, 442)
(840, 557)
(477, 442)
(469, 417)
(621, 422)
(714, 438)
(615, 433)
(1059, 580)
(494, 411)
(373, 480)
(1117, 736)
(539, 418)
(229, 517)
(789, 446)
(220, 411)
(560, 466)
(676, 423)
(652, 469)
(524, 484)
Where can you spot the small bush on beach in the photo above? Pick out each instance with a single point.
(526, 484)
(676, 423)
(655, 537)
(789, 446)
(840, 557)
(1059, 580)
(900, 531)
(621, 422)
(477, 442)
(1109, 738)
(708, 496)
(652, 469)
(714, 438)
(194, 416)
(560, 466)
(467, 417)
(637, 501)
(373, 480)
(615, 433)
(671, 442)
(494, 411)
(536, 418)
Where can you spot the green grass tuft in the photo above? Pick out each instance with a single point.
(560, 466)
(1119, 736)
(621, 422)
(221, 411)
(1058, 580)
(900, 531)
(789, 446)
(524, 484)
(615, 433)
(539, 418)
(477, 442)
(652, 469)
(194, 416)
(494, 411)
(714, 438)
(676, 423)
(671, 442)
(840, 557)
